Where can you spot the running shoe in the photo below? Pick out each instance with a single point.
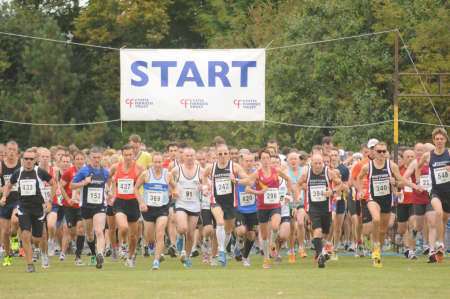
(7, 261)
(79, 261)
(214, 261)
(321, 260)
(130, 263)
(155, 265)
(267, 264)
(183, 256)
(114, 255)
(278, 259)
(412, 255)
(205, 258)
(246, 262)
(376, 257)
(187, 263)
(426, 250)
(291, 258)
(45, 261)
(302, 253)
(31, 268)
(222, 258)
(62, 256)
(99, 259)
(93, 261)
(432, 257)
(195, 252)
(172, 251)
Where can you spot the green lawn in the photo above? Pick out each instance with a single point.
(347, 278)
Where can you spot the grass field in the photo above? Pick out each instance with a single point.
(347, 278)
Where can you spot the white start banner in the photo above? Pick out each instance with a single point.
(201, 85)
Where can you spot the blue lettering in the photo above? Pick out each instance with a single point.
(244, 65)
(221, 74)
(190, 66)
(164, 66)
(135, 70)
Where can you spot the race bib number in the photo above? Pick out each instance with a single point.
(246, 199)
(271, 196)
(153, 198)
(441, 175)
(425, 182)
(190, 195)
(125, 186)
(381, 188)
(46, 193)
(27, 187)
(95, 196)
(318, 193)
(223, 186)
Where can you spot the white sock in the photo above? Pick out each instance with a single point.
(220, 232)
(266, 248)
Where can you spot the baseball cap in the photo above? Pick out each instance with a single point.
(372, 142)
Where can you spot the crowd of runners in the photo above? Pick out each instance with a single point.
(219, 203)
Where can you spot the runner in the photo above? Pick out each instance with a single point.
(317, 183)
(154, 203)
(361, 188)
(405, 208)
(439, 163)
(246, 216)
(268, 202)
(209, 242)
(223, 174)
(286, 202)
(49, 231)
(30, 211)
(339, 205)
(296, 167)
(56, 215)
(56, 219)
(384, 178)
(8, 219)
(72, 211)
(92, 179)
(187, 206)
(126, 206)
(422, 205)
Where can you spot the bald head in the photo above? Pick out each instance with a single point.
(408, 157)
(317, 163)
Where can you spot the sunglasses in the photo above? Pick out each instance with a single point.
(222, 154)
(28, 159)
(381, 151)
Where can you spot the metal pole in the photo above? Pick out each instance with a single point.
(396, 83)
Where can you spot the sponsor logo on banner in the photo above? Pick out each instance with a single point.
(139, 103)
(247, 104)
(193, 103)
